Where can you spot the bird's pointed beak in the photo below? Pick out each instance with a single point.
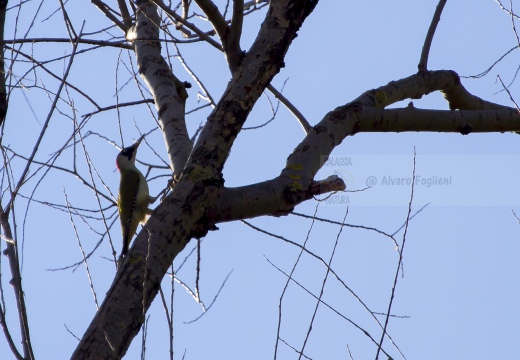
(138, 142)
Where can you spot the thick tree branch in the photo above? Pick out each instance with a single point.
(169, 92)
(412, 119)
(265, 198)
(424, 83)
(366, 114)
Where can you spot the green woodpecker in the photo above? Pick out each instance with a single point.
(134, 198)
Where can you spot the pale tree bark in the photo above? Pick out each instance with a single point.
(169, 92)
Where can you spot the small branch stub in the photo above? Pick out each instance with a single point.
(330, 184)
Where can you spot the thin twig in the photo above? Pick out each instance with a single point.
(306, 126)
(323, 286)
(341, 281)
(349, 225)
(506, 10)
(91, 283)
(118, 106)
(91, 167)
(70, 332)
(513, 23)
(508, 93)
(485, 72)
(197, 271)
(327, 305)
(401, 249)
(143, 338)
(171, 314)
(293, 348)
(213, 301)
(289, 278)
(44, 127)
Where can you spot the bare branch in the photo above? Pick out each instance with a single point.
(9, 339)
(509, 93)
(513, 23)
(44, 128)
(169, 92)
(60, 78)
(125, 14)
(328, 266)
(423, 62)
(293, 109)
(214, 16)
(212, 301)
(232, 43)
(323, 262)
(365, 332)
(510, 12)
(91, 283)
(105, 10)
(485, 72)
(118, 44)
(3, 93)
(265, 198)
(119, 105)
(289, 278)
(16, 282)
(401, 249)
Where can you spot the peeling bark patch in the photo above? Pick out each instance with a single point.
(465, 129)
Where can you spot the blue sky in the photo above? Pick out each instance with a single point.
(458, 294)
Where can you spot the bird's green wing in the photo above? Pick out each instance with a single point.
(128, 189)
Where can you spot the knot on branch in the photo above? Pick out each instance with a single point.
(465, 129)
